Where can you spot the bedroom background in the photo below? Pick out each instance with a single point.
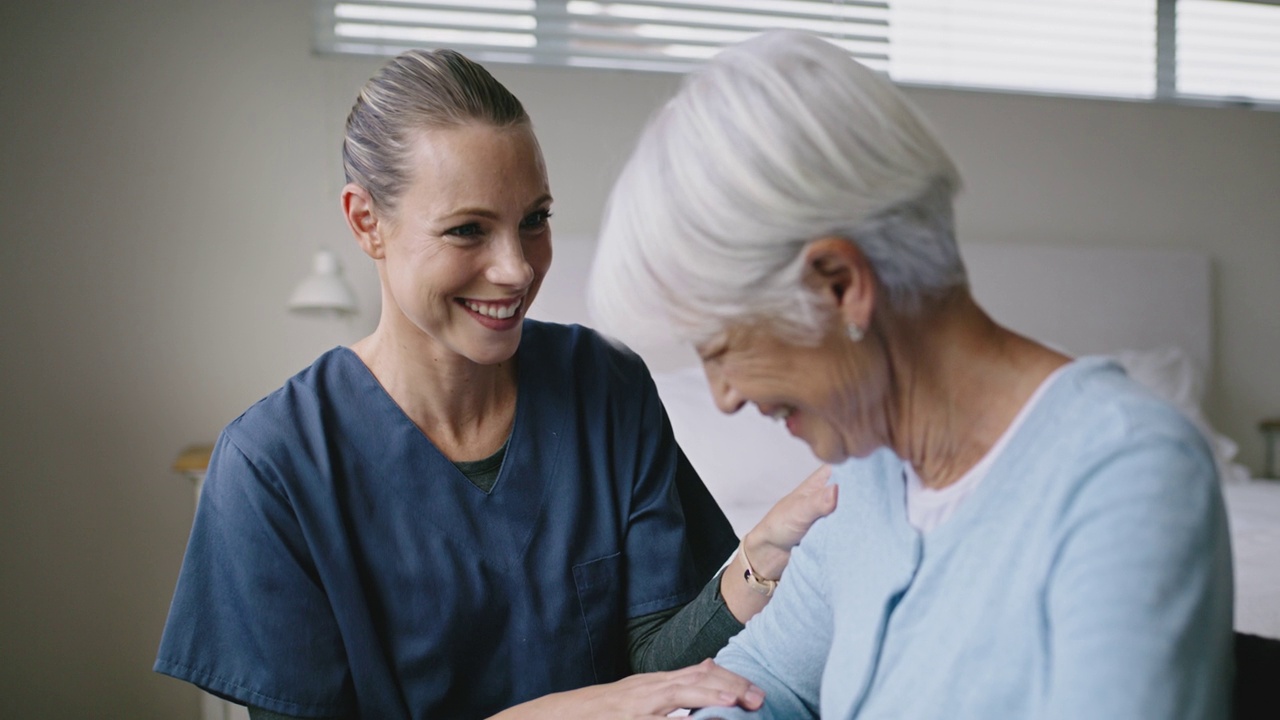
(169, 168)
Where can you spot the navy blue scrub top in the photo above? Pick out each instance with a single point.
(340, 565)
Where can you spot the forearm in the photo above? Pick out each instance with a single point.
(784, 649)
(665, 641)
(783, 653)
(767, 561)
(682, 637)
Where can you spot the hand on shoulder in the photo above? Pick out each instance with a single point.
(769, 543)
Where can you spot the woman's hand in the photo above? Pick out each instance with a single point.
(769, 543)
(650, 695)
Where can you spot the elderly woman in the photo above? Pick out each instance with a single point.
(1020, 534)
(466, 512)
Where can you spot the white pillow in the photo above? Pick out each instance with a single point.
(1171, 374)
(746, 460)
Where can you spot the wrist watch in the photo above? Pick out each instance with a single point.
(761, 585)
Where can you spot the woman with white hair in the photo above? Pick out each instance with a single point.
(1021, 534)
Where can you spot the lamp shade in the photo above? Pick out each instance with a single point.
(324, 290)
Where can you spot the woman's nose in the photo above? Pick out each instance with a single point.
(726, 398)
(510, 268)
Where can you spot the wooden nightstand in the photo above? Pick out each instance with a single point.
(192, 463)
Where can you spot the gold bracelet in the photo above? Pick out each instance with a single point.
(761, 585)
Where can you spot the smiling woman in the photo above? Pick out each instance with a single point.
(467, 512)
(1040, 526)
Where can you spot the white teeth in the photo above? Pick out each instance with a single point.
(498, 312)
(781, 413)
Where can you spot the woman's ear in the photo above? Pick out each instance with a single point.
(837, 270)
(357, 208)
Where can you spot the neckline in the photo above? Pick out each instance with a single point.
(974, 506)
(513, 437)
(980, 469)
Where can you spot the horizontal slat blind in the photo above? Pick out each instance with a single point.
(671, 35)
(1094, 47)
(1229, 50)
(391, 26)
(1198, 49)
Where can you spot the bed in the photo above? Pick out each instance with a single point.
(1150, 308)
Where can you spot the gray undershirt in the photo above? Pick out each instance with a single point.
(664, 640)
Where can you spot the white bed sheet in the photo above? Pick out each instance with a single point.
(1254, 512)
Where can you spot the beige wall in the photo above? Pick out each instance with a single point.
(168, 168)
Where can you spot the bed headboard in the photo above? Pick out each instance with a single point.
(1091, 300)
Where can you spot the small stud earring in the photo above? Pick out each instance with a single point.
(855, 332)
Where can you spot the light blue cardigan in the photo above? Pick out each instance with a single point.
(1087, 577)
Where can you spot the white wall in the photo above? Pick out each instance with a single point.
(168, 168)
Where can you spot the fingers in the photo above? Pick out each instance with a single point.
(816, 496)
(770, 542)
(706, 685)
(793, 515)
(818, 478)
(642, 696)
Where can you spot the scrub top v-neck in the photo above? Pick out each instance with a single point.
(340, 565)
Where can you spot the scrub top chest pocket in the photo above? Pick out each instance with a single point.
(599, 586)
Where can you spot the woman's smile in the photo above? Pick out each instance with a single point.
(495, 314)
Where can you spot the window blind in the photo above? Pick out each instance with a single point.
(1198, 50)
(1229, 50)
(1093, 47)
(669, 35)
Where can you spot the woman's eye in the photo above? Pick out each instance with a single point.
(468, 230)
(537, 220)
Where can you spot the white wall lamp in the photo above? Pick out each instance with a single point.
(325, 291)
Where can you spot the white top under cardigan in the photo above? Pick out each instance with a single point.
(927, 508)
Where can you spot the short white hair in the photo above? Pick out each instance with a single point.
(776, 142)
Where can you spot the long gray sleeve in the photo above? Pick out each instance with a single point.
(682, 636)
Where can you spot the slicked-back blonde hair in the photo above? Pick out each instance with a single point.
(415, 91)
